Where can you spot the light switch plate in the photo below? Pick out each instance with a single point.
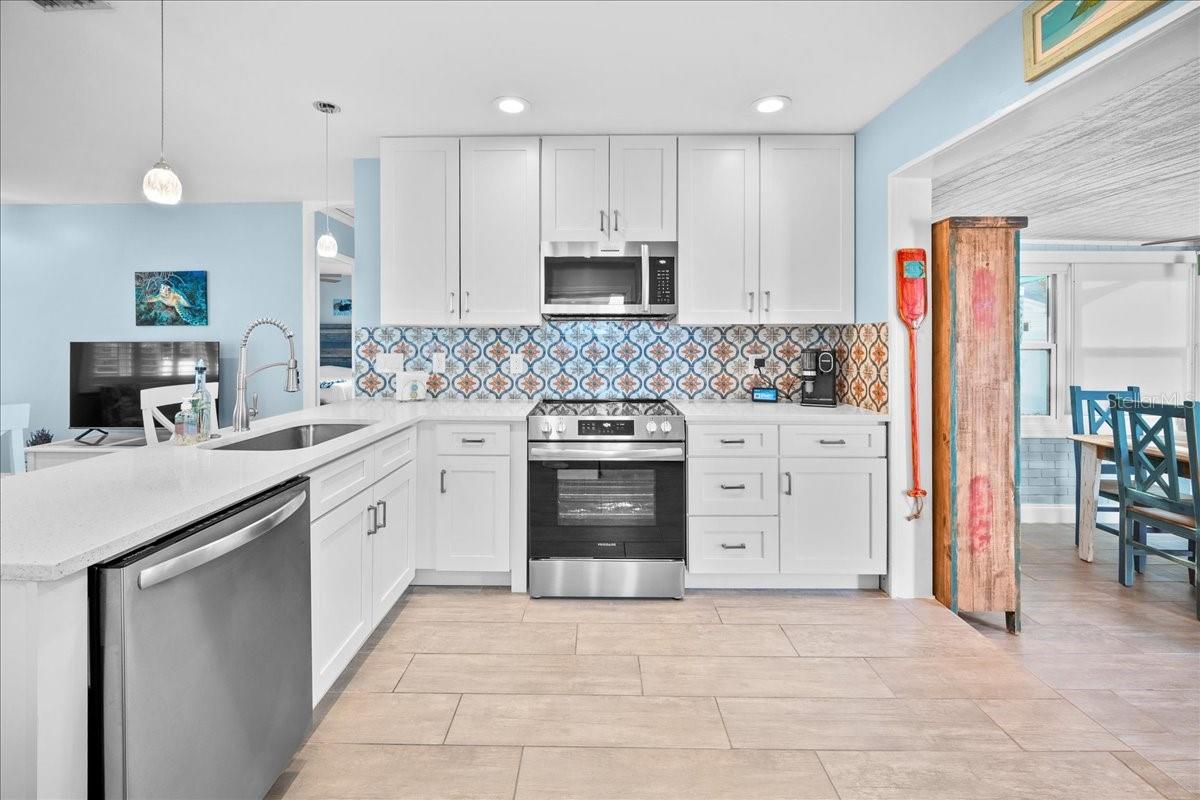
(439, 361)
(516, 364)
(389, 362)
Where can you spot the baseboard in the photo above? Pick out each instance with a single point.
(433, 577)
(705, 581)
(1046, 513)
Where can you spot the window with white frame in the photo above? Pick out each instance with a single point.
(1040, 292)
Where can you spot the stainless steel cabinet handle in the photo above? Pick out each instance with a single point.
(733, 441)
(616, 221)
(751, 306)
(443, 481)
(472, 441)
(466, 302)
(382, 505)
(831, 441)
(741, 546)
(172, 567)
(767, 300)
(733, 486)
(373, 525)
(602, 220)
(452, 302)
(788, 490)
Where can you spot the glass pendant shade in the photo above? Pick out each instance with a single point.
(162, 185)
(326, 246)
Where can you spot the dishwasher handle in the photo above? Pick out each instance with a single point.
(185, 562)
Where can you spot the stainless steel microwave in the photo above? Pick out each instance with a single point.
(584, 280)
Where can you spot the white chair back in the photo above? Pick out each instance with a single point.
(14, 420)
(152, 399)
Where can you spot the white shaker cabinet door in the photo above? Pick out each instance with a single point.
(393, 545)
(807, 272)
(833, 516)
(341, 589)
(575, 189)
(472, 510)
(718, 230)
(501, 252)
(643, 188)
(418, 231)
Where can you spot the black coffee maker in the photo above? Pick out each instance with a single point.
(818, 378)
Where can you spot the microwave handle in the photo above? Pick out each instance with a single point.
(646, 277)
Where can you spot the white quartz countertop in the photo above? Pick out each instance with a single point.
(749, 412)
(58, 521)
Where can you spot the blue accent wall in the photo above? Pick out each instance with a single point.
(982, 78)
(366, 235)
(66, 274)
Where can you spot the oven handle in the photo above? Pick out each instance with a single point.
(581, 454)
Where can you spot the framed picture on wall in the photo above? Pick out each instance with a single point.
(341, 307)
(170, 298)
(1055, 31)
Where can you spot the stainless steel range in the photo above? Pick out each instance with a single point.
(607, 499)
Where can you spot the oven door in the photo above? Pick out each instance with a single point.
(607, 500)
(595, 286)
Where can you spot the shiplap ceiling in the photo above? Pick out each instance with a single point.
(79, 91)
(1128, 170)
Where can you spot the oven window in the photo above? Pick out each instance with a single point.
(605, 498)
(605, 281)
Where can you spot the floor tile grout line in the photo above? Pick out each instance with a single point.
(1139, 777)
(517, 782)
(450, 724)
(724, 727)
(828, 777)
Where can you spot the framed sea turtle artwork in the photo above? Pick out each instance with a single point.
(1055, 31)
(170, 298)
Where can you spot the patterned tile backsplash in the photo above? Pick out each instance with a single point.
(611, 359)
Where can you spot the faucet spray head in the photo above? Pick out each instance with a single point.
(293, 377)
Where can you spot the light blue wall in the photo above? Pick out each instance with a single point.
(343, 233)
(66, 273)
(985, 76)
(366, 235)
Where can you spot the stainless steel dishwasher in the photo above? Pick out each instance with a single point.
(201, 658)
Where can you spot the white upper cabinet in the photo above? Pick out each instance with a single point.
(418, 231)
(642, 188)
(575, 188)
(718, 230)
(807, 239)
(608, 189)
(500, 255)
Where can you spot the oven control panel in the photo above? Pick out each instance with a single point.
(605, 427)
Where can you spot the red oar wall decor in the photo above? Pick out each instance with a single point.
(912, 305)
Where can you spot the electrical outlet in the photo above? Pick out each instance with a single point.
(439, 361)
(516, 364)
(759, 363)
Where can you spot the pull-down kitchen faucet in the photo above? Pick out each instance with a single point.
(243, 414)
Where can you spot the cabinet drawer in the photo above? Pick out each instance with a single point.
(394, 452)
(733, 440)
(865, 441)
(333, 484)
(744, 486)
(468, 439)
(736, 545)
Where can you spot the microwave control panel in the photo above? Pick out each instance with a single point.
(662, 279)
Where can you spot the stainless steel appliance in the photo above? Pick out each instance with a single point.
(818, 378)
(583, 279)
(607, 499)
(201, 661)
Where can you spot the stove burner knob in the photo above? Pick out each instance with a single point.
(562, 427)
(651, 427)
(545, 427)
(666, 427)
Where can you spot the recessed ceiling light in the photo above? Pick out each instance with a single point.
(511, 105)
(769, 105)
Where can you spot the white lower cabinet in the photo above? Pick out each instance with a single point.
(393, 545)
(341, 589)
(833, 516)
(472, 513)
(733, 545)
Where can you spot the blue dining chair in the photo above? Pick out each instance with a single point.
(1148, 480)
(1090, 415)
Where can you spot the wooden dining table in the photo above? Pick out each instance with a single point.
(1094, 449)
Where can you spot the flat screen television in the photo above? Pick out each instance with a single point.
(107, 378)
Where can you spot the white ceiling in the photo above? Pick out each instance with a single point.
(79, 97)
(1126, 169)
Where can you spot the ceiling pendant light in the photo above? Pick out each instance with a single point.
(327, 245)
(161, 184)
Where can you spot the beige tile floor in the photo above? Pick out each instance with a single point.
(469, 693)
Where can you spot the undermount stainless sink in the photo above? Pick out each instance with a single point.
(296, 437)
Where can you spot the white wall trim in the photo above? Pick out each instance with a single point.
(1106, 256)
(1063, 513)
(310, 299)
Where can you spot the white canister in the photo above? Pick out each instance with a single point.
(411, 386)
